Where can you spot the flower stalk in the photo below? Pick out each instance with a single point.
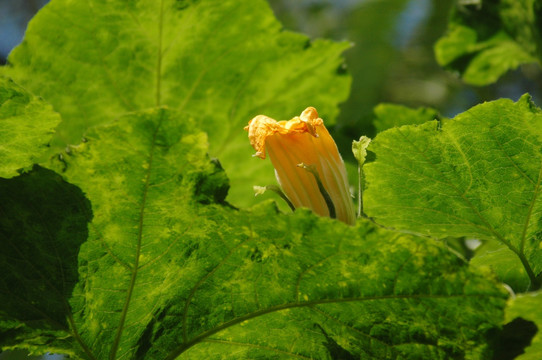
(359, 148)
(259, 190)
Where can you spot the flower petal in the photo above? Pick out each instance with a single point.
(304, 139)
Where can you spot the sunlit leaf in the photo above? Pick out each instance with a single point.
(477, 175)
(26, 126)
(359, 148)
(218, 62)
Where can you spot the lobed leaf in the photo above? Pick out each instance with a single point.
(27, 125)
(218, 62)
(162, 276)
(477, 175)
(487, 39)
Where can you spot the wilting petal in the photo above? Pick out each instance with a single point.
(304, 139)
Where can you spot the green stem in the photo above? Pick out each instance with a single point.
(360, 190)
(535, 281)
(258, 190)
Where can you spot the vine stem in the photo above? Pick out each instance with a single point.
(535, 281)
(360, 190)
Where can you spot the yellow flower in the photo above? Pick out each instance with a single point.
(303, 153)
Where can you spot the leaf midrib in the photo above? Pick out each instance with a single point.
(199, 338)
(260, 347)
(159, 55)
(135, 267)
(203, 279)
(351, 328)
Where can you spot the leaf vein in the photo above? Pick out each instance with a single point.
(199, 338)
(116, 341)
(203, 279)
(256, 346)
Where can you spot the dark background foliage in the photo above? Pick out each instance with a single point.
(392, 59)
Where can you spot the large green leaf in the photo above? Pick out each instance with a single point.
(26, 126)
(477, 175)
(487, 39)
(163, 275)
(310, 287)
(219, 62)
(43, 222)
(144, 175)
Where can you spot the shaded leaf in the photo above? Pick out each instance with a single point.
(26, 126)
(486, 40)
(504, 263)
(43, 222)
(394, 115)
(477, 175)
(219, 63)
(527, 307)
